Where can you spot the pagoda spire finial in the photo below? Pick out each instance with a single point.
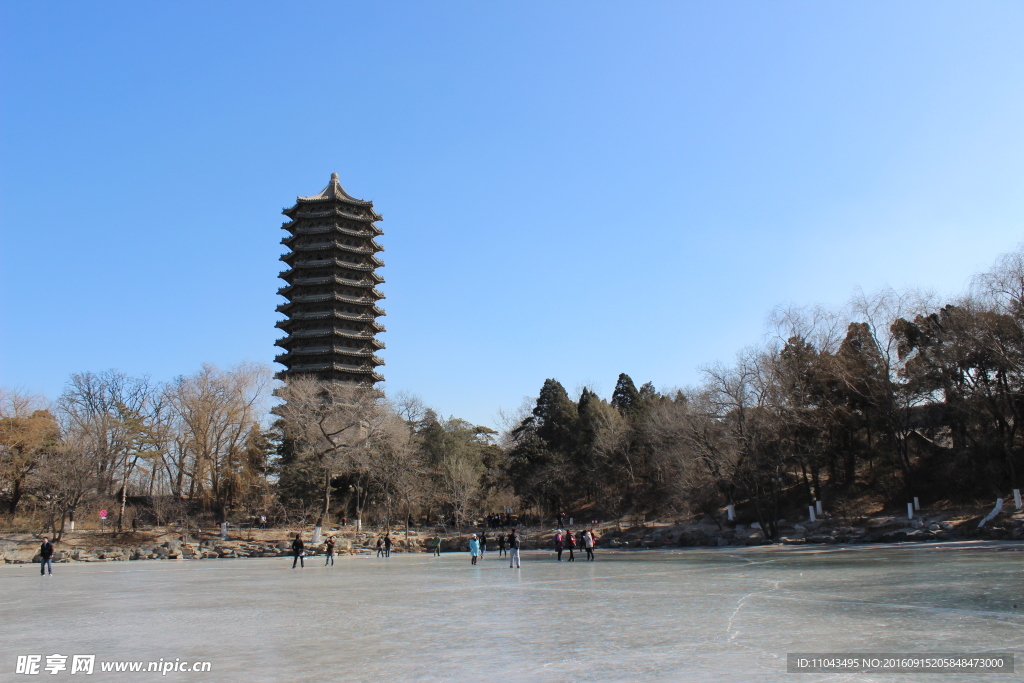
(335, 191)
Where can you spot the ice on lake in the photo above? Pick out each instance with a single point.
(688, 615)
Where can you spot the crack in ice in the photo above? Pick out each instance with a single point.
(739, 606)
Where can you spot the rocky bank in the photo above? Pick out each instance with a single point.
(166, 544)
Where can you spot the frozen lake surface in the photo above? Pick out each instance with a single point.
(688, 615)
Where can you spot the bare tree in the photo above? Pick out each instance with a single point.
(397, 465)
(1002, 286)
(27, 431)
(66, 480)
(110, 415)
(744, 400)
(330, 424)
(217, 433)
(821, 327)
(93, 406)
(460, 478)
(409, 407)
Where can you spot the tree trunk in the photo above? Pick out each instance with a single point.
(58, 532)
(807, 484)
(327, 499)
(123, 503)
(178, 482)
(16, 493)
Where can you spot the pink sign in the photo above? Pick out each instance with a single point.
(103, 514)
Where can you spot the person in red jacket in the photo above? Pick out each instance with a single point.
(571, 545)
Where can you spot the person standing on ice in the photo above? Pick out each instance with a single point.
(474, 549)
(387, 545)
(298, 550)
(588, 543)
(558, 544)
(329, 549)
(570, 544)
(501, 544)
(483, 544)
(513, 549)
(437, 546)
(45, 557)
(380, 546)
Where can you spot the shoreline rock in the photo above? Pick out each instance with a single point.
(704, 532)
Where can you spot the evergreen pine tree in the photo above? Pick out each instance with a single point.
(625, 398)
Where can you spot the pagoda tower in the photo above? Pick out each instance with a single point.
(331, 324)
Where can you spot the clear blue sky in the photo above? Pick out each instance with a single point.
(570, 189)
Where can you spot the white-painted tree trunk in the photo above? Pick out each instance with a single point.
(995, 511)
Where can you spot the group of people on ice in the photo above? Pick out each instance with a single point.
(507, 544)
(299, 551)
(567, 541)
(564, 540)
(478, 546)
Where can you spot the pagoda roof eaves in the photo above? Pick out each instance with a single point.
(334, 191)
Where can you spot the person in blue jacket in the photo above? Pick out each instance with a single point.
(474, 549)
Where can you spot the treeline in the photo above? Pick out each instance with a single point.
(897, 396)
(196, 443)
(894, 398)
(209, 447)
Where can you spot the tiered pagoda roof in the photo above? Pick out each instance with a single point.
(331, 289)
